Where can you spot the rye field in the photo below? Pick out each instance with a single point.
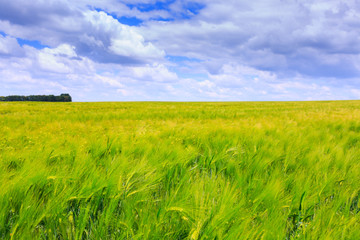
(154, 170)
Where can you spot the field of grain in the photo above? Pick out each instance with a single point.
(260, 170)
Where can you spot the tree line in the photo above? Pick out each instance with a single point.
(65, 97)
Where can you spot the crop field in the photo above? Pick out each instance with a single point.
(154, 170)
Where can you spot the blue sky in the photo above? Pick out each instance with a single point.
(181, 50)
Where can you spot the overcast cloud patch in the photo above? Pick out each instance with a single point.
(181, 49)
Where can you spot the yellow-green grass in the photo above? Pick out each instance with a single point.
(257, 170)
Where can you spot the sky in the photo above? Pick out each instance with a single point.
(181, 50)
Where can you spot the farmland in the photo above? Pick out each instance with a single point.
(156, 170)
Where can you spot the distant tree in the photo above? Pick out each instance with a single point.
(65, 97)
(14, 98)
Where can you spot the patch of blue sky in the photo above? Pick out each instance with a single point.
(148, 7)
(33, 43)
(3, 34)
(130, 21)
(194, 7)
(190, 9)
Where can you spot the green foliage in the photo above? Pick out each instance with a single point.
(38, 98)
(286, 170)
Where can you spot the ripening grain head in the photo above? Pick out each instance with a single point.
(180, 170)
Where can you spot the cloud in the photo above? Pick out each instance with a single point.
(9, 47)
(284, 37)
(30, 13)
(94, 34)
(181, 50)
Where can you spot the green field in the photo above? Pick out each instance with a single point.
(259, 170)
